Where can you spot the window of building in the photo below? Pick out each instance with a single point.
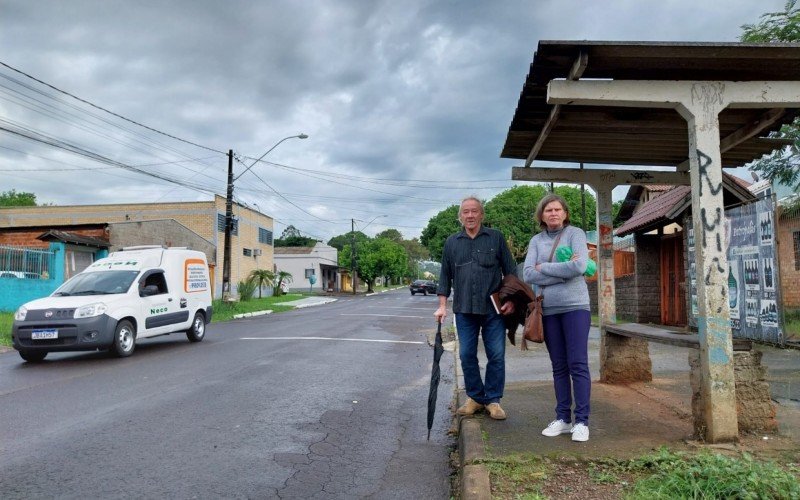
(264, 236)
(247, 252)
(796, 239)
(221, 225)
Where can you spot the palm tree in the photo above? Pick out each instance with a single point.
(262, 277)
(283, 277)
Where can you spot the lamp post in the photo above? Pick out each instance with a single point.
(226, 259)
(353, 247)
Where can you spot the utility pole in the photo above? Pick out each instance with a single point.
(583, 203)
(353, 254)
(226, 259)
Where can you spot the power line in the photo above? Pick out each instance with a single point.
(109, 111)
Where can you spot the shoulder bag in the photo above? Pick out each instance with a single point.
(533, 330)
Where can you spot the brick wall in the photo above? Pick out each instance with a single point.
(789, 276)
(158, 232)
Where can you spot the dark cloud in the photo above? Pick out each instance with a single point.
(386, 90)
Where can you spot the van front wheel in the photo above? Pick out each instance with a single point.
(124, 339)
(198, 329)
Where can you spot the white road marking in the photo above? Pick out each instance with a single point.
(400, 307)
(385, 315)
(332, 338)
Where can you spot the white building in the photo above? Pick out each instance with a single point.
(319, 261)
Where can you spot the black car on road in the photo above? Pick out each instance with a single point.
(422, 286)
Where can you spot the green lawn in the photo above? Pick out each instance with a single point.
(6, 318)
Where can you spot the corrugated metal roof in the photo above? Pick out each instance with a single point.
(73, 238)
(658, 211)
(642, 136)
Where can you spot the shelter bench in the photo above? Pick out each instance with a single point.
(630, 362)
(664, 336)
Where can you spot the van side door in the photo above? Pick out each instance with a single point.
(160, 308)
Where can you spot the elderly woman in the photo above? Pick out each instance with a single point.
(565, 313)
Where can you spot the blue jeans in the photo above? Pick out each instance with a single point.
(493, 330)
(567, 338)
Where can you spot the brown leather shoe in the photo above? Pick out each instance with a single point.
(469, 408)
(495, 411)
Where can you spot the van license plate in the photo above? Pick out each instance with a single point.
(44, 334)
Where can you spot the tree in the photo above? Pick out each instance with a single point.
(416, 252)
(283, 277)
(381, 257)
(783, 165)
(438, 229)
(391, 234)
(339, 242)
(14, 199)
(511, 212)
(291, 237)
(261, 278)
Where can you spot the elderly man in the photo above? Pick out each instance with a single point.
(474, 262)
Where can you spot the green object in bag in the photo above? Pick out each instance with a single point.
(564, 253)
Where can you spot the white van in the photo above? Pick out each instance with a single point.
(132, 294)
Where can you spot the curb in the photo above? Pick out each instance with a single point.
(251, 314)
(475, 483)
(303, 306)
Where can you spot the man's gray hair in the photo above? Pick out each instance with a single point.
(473, 198)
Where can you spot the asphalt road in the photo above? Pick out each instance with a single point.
(256, 410)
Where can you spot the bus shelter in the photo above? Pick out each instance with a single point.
(694, 108)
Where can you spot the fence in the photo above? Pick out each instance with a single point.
(624, 258)
(25, 263)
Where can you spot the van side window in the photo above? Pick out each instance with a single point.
(158, 280)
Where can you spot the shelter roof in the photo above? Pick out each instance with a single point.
(666, 207)
(643, 136)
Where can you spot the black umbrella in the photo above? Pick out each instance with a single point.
(435, 373)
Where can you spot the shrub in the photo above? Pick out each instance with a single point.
(246, 289)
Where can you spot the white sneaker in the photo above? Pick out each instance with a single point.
(580, 432)
(557, 427)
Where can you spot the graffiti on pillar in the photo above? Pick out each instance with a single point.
(710, 227)
(641, 175)
(710, 97)
(608, 176)
(703, 162)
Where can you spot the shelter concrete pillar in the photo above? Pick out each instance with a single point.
(718, 390)
(622, 359)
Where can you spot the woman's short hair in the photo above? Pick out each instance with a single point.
(546, 201)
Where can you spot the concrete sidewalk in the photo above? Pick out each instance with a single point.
(626, 421)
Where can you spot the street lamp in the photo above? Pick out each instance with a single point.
(226, 259)
(353, 247)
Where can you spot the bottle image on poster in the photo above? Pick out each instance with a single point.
(769, 313)
(768, 274)
(733, 288)
(752, 278)
(765, 227)
(751, 312)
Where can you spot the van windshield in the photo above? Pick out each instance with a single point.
(97, 283)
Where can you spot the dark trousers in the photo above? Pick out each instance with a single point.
(493, 330)
(567, 338)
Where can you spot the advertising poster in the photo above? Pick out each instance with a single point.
(752, 274)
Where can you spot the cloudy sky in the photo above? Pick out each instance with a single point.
(406, 103)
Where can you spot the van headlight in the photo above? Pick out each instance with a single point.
(90, 310)
(21, 313)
